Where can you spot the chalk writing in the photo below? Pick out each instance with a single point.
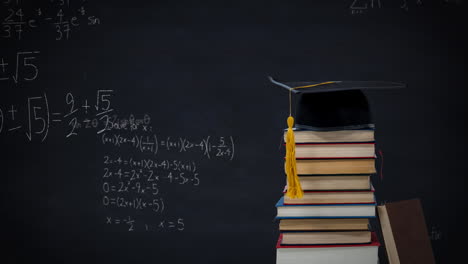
(127, 221)
(151, 176)
(359, 7)
(23, 67)
(153, 205)
(37, 116)
(130, 224)
(210, 147)
(59, 17)
(436, 234)
(1, 120)
(175, 165)
(135, 175)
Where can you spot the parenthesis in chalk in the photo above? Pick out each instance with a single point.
(232, 145)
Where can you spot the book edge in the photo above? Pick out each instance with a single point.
(390, 245)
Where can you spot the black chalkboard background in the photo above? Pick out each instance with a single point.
(199, 72)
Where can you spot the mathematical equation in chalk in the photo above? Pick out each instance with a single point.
(61, 18)
(174, 165)
(23, 67)
(358, 7)
(149, 176)
(149, 170)
(37, 116)
(130, 186)
(166, 224)
(156, 205)
(210, 147)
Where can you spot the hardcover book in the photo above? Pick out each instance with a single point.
(335, 182)
(405, 233)
(324, 210)
(335, 150)
(339, 136)
(329, 254)
(335, 166)
(324, 224)
(333, 197)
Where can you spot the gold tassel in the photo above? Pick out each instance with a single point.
(294, 186)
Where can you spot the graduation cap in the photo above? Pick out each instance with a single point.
(332, 105)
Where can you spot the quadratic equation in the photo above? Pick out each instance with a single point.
(131, 187)
(36, 116)
(210, 147)
(136, 186)
(148, 177)
(146, 173)
(159, 225)
(155, 205)
(22, 67)
(358, 7)
(169, 165)
(60, 17)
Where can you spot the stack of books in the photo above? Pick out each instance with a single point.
(330, 223)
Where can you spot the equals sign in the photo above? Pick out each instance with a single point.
(171, 224)
(117, 221)
(112, 188)
(54, 119)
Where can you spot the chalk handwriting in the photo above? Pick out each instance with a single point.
(436, 234)
(210, 147)
(130, 224)
(359, 7)
(155, 205)
(61, 18)
(136, 174)
(23, 68)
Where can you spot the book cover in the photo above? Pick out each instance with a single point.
(405, 233)
(292, 211)
(374, 243)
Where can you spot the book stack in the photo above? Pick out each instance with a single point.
(330, 155)
(330, 223)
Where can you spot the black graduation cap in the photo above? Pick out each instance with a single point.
(333, 105)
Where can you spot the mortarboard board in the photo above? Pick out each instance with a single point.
(333, 105)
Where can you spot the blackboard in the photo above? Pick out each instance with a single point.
(148, 132)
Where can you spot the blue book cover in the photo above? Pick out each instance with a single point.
(280, 204)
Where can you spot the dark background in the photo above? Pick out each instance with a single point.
(201, 69)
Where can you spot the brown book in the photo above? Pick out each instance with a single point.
(326, 237)
(335, 150)
(405, 233)
(332, 197)
(311, 136)
(324, 224)
(335, 182)
(335, 166)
